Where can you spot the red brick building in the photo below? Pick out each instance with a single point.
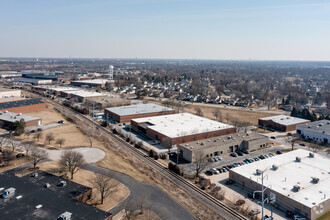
(23, 106)
(282, 122)
(180, 128)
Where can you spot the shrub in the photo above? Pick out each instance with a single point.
(152, 153)
(156, 157)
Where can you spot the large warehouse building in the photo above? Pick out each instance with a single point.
(282, 122)
(222, 145)
(126, 113)
(8, 118)
(299, 179)
(92, 82)
(23, 105)
(315, 131)
(180, 128)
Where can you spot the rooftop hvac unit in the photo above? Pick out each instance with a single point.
(298, 159)
(274, 167)
(311, 154)
(309, 126)
(208, 140)
(202, 143)
(215, 140)
(62, 183)
(296, 188)
(315, 179)
(258, 171)
(65, 216)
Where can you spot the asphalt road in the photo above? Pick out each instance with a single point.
(152, 196)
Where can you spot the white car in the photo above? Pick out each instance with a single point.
(215, 171)
(219, 158)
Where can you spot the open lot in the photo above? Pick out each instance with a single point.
(83, 177)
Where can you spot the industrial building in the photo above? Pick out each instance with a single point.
(43, 197)
(82, 95)
(180, 128)
(318, 131)
(282, 122)
(91, 83)
(32, 81)
(5, 93)
(222, 145)
(23, 105)
(8, 118)
(126, 113)
(299, 179)
(107, 102)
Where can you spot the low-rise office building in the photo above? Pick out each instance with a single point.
(222, 145)
(299, 180)
(8, 119)
(180, 128)
(282, 122)
(126, 113)
(32, 81)
(316, 131)
(92, 82)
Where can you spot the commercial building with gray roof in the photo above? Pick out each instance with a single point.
(318, 131)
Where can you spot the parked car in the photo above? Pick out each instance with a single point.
(236, 164)
(289, 214)
(298, 217)
(302, 144)
(219, 158)
(246, 151)
(229, 182)
(265, 156)
(20, 155)
(220, 170)
(215, 159)
(268, 217)
(224, 170)
(209, 173)
(278, 152)
(262, 157)
(233, 154)
(210, 159)
(60, 122)
(39, 129)
(271, 155)
(255, 211)
(273, 137)
(239, 153)
(215, 171)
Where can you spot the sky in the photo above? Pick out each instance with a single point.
(171, 29)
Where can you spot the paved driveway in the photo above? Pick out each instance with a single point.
(154, 198)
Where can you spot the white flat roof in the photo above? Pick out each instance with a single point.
(182, 124)
(12, 117)
(285, 120)
(138, 109)
(290, 173)
(93, 81)
(60, 89)
(84, 93)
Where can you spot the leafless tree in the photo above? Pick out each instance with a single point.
(217, 114)
(167, 142)
(104, 184)
(71, 160)
(3, 140)
(60, 141)
(38, 135)
(314, 146)
(129, 207)
(14, 143)
(200, 163)
(291, 140)
(227, 117)
(28, 133)
(36, 155)
(199, 111)
(28, 146)
(50, 137)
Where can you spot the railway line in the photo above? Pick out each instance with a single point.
(205, 198)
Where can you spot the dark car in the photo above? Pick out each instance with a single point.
(273, 137)
(20, 155)
(239, 153)
(209, 173)
(289, 214)
(302, 145)
(278, 152)
(246, 151)
(224, 170)
(271, 155)
(233, 154)
(262, 157)
(229, 182)
(265, 156)
(257, 195)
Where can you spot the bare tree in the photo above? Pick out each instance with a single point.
(217, 114)
(28, 146)
(228, 117)
(129, 207)
(3, 140)
(50, 137)
(201, 162)
(38, 135)
(291, 140)
(104, 184)
(199, 111)
(60, 141)
(314, 146)
(71, 160)
(36, 155)
(13, 143)
(167, 142)
(28, 133)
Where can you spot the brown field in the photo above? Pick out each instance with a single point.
(119, 193)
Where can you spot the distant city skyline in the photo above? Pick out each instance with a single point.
(167, 29)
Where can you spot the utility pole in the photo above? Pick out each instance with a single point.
(93, 119)
(263, 189)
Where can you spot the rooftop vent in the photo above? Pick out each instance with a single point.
(258, 172)
(296, 188)
(309, 126)
(215, 140)
(38, 206)
(315, 179)
(298, 159)
(202, 143)
(208, 140)
(311, 155)
(274, 167)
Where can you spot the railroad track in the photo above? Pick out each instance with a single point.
(205, 198)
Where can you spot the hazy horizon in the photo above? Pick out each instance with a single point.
(166, 29)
